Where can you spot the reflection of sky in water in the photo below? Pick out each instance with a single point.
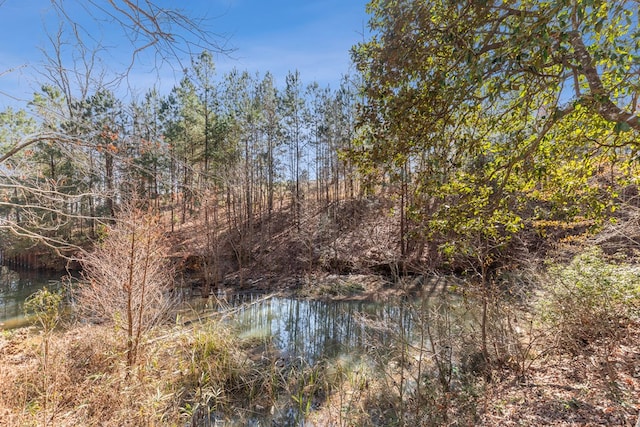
(15, 287)
(315, 329)
(299, 328)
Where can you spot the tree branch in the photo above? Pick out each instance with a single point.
(604, 106)
(29, 141)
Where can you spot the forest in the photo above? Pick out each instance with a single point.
(473, 180)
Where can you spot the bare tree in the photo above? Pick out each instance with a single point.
(168, 32)
(127, 278)
(74, 71)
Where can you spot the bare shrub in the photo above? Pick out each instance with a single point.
(127, 278)
(419, 378)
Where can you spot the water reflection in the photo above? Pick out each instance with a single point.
(15, 287)
(307, 329)
(363, 333)
(314, 330)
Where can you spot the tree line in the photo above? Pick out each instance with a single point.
(233, 147)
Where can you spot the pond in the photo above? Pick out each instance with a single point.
(301, 330)
(351, 334)
(15, 287)
(307, 329)
(315, 329)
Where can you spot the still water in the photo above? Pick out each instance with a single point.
(364, 333)
(298, 328)
(15, 287)
(312, 329)
(302, 330)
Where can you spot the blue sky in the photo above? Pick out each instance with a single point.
(312, 36)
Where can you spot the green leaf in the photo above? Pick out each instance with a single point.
(622, 127)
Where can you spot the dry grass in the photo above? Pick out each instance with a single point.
(559, 390)
(186, 373)
(91, 385)
(589, 389)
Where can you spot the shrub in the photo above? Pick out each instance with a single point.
(127, 278)
(45, 307)
(592, 300)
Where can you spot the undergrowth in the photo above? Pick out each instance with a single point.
(203, 372)
(591, 300)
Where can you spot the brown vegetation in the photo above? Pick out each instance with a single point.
(187, 373)
(342, 250)
(127, 279)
